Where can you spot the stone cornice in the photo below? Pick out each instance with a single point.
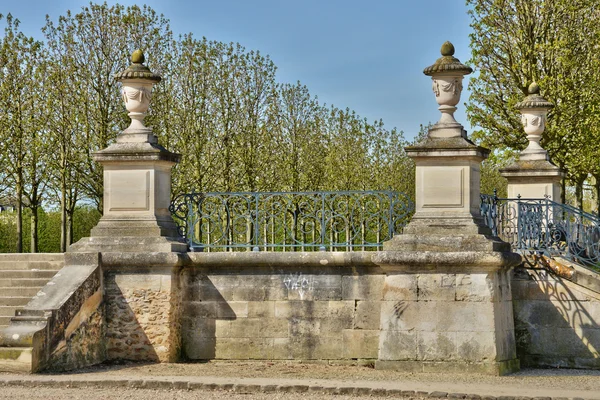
(124, 152)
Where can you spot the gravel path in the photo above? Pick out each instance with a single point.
(227, 379)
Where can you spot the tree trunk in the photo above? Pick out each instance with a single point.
(69, 229)
(597, 187)
(34, 229)
(63, 215)
(19, 214)
(579, 195)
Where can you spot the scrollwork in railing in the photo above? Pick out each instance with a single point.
(181, 208)
(280, 221)
(542, 226)
(489, 211)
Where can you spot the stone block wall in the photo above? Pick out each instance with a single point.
(557, 322)
(447, 322)
(280, 313)
(143, 314)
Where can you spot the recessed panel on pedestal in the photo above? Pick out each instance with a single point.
(128, 190)
(444, 186)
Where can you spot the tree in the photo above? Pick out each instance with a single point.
(65, 124)
(552, 42)
(20, 126)
(300, 138)
(96, 43)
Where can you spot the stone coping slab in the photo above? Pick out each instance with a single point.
(250, 259)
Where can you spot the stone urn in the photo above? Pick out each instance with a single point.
(534, 111)
(136, 92)
(447, 75)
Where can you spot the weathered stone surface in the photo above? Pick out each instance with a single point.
(367, 314)
(437, 287)
(251, 328)
(400, 287)
(314, 309)
(556, 322)
(143, 316)
(447, 318)
(262, 309)
(406, 315)
(301, 313)
(243, 348)
(398, 345)
(437, 346)
(84, 345)
(362, 287)
(360, 343)
(476, 287)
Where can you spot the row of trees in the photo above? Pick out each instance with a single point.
(218, 105)
(552, 42)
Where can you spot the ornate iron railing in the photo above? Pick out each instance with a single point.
(290, 221)
(544, 226)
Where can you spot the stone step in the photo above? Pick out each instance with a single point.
(15, 359)
(14, 300)
(4, 321)
(15, 366)
(19, 291)
(8, 311)
(23, 273)
(23, 282)
(13, 353)
(32, 257)
(30, 265)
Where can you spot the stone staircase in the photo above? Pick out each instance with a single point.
(21, 277)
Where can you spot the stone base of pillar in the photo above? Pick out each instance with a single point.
(137, 190)
(143, 314)
(129, 244)
(533, 179)
(451, 367)
(447, 311)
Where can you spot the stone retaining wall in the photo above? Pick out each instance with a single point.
(281, 311)
(557, 322)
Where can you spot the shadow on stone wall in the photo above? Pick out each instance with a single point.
(556, 321)
(204, 306)
(126, 338)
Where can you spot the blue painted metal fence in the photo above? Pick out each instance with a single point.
(544, 226)
(291, 221)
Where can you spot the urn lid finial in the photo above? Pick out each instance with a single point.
(534, 99)
(447, 62)
(137, 57)
(447, 49)
(534, 88)
(137, 70)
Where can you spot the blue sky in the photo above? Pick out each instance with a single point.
(365, 55)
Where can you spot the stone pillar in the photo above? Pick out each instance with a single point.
(533, 176)
(447, 302)
(137, 178)
(141, 300)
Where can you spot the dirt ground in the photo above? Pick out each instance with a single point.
(542, 378)
(531, 383)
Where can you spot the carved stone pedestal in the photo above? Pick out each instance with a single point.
(447, 304)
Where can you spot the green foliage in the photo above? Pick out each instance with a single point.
(490, 175)
(85, 218)
(219, 105)
(552, 42)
